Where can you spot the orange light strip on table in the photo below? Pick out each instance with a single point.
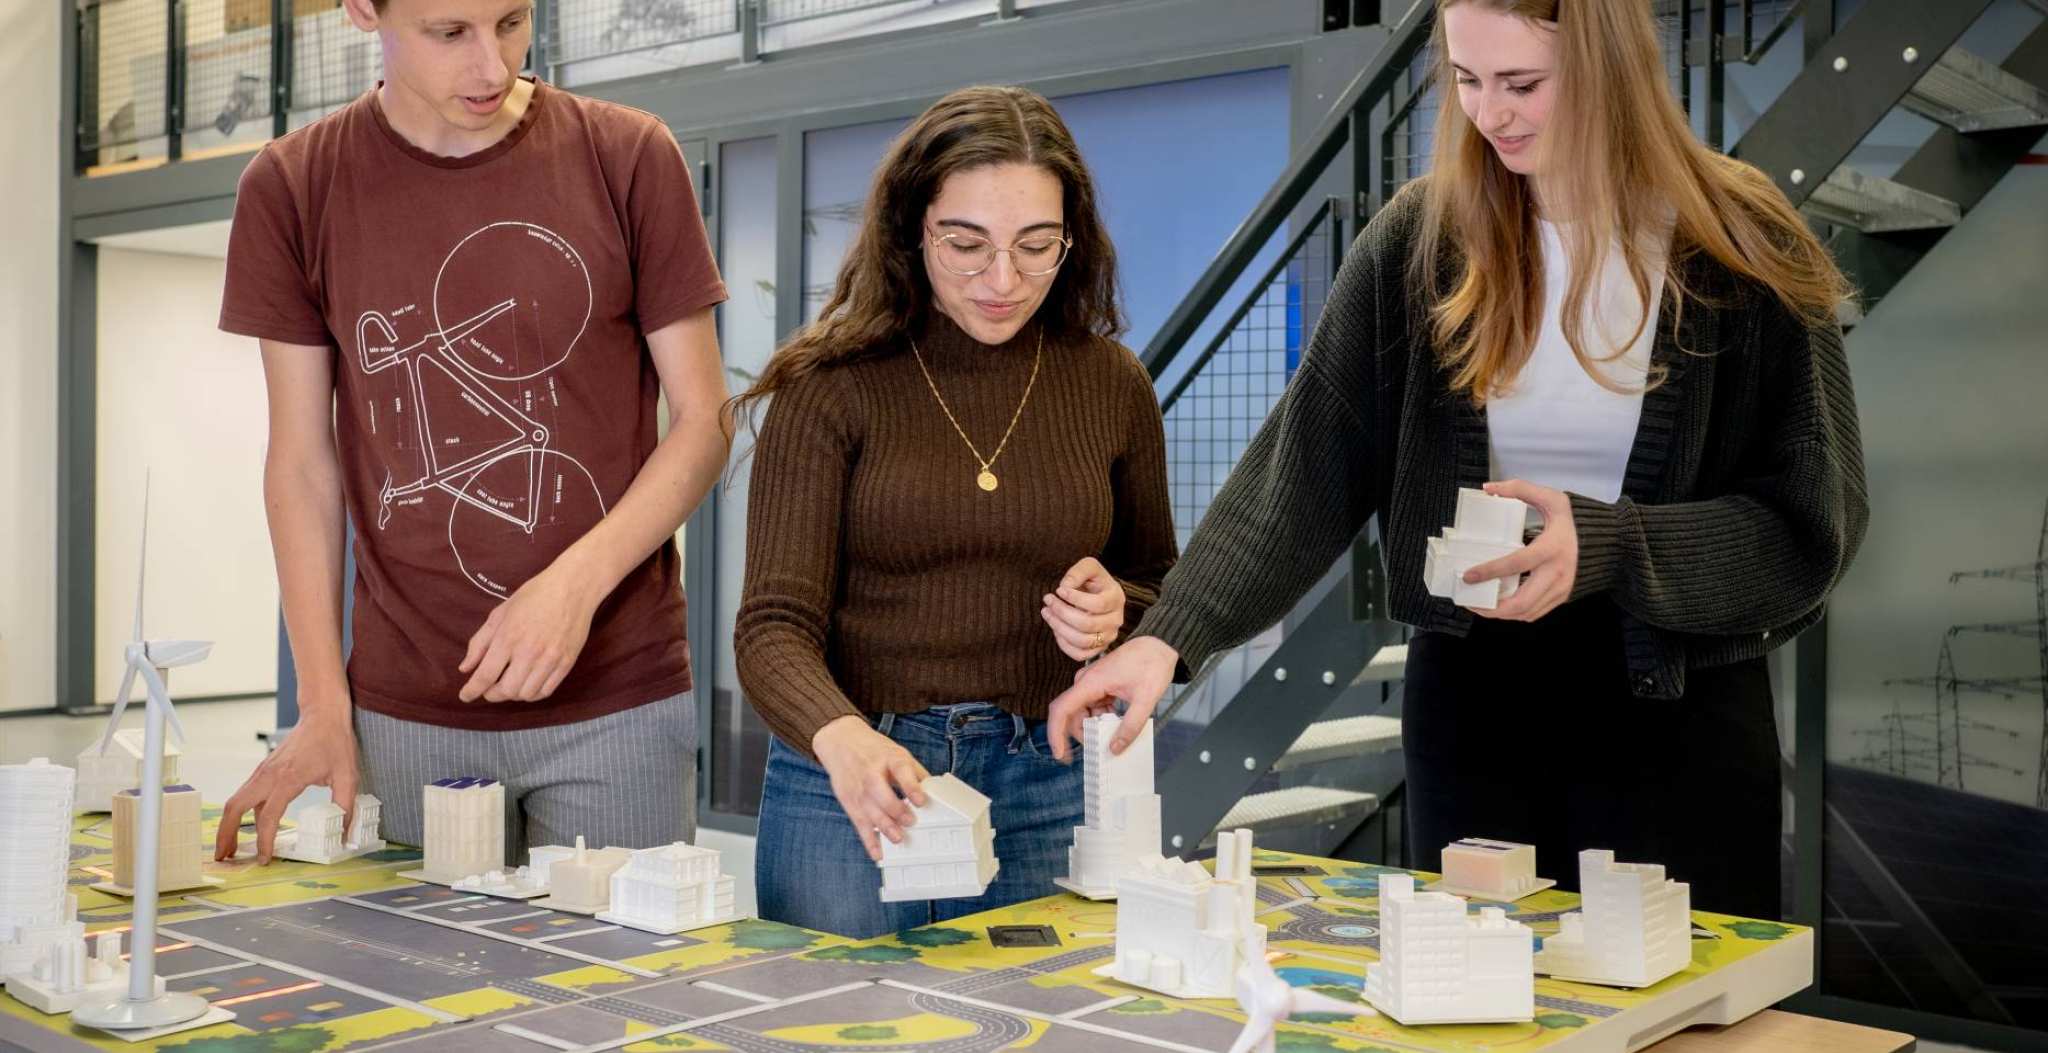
(294, 989)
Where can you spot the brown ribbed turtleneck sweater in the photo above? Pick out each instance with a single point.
(881, 579)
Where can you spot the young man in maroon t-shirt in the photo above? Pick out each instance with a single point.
(470, 288)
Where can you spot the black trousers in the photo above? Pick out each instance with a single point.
(1527, 732)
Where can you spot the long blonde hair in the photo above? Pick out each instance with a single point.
(1623, 164)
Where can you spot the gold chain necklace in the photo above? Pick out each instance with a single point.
(987, 479)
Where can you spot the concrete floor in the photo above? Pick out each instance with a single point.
(221, 749)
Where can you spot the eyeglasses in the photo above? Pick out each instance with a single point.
(969, 254)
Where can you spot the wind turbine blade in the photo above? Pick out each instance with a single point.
(1257, 1027)
(142, 561)
(120, 707)
(1307, 1001)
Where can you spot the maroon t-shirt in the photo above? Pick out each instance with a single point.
(493, 391)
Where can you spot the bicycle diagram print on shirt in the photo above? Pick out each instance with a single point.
(469, 407)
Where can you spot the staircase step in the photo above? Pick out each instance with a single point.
(1971, 95)
(1297, 806)
(1342, 739)
(1389, 664)
(1873, 204)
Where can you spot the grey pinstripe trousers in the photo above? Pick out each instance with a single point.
(626, 779)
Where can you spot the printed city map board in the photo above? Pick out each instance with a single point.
(422, 968)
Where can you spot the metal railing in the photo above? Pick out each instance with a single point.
(169, 79)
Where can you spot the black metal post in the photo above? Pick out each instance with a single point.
(84, 91)
(750, 31)
(280, 70)
(1717, 74)
(174, 78)
(1820, 25)
(77, 474)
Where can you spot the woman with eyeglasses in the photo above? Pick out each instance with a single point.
(959, 495)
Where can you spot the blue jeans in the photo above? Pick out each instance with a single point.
(809, 866)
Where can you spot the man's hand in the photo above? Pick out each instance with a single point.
(1085, 610)
(530, 642)
(1139, 672)
(1551, 561)
(869, 770)
(320, 751)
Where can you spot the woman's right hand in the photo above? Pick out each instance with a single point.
(872, 776)
(1139, 672)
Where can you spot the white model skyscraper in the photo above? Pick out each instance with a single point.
(1632, 929)
(1438, 965)
(37, 911)
(1121, 813)
(465, 828)
(1180, 931)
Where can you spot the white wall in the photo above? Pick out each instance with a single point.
(29, 163)
(184, 402)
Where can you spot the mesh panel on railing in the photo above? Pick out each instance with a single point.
(1214, 413)
(332, 60)
(595, 28)
(1409, 136)
(121, 77)
(776, 12)
(227, 65)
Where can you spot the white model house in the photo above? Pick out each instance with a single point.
(1184, 932)
(950, 851)
(670, 888)
(181, 845)
(320, 837)
(102, 775)
(1120, 815)
(1486, 529)
(582, 881)
(464, 828)
(66, 975)
(36, 908)
(1632, 929)
(1440, 965)
(1488, 869)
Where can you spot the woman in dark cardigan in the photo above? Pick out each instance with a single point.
(1695, 468)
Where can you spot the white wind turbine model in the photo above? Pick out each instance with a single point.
(147, 1004)
(1267, 1000)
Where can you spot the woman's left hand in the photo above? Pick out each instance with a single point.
(1085, 610)
(1551, 561)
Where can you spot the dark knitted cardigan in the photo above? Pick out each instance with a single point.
(1743, 502)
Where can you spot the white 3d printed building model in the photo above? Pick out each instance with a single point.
(37, 910)
(65, 975)
(464, 829)
(949, 852)
(1183, 932)
(582, 882)
(1486, 869)
(102, 775)
(181, 845)
(1120, 824)
(670, 888)
(319, 837)
(1439, 965)
(1632, 929)
(1487, 528)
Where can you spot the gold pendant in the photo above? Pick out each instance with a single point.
(987, 480)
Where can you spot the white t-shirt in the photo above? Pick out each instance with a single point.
(1556, 426)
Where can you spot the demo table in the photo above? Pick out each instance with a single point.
(351, 957)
